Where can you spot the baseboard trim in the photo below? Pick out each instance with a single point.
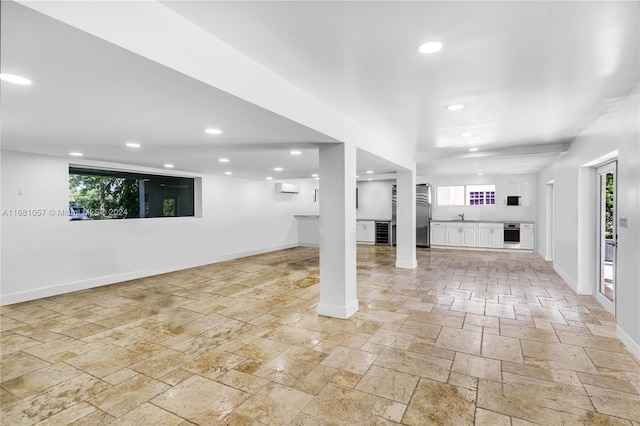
(634, 347)
(411, 264)
(544, 256)
(315, 245)
(55, 290)
(566, 277)
(504, 250)
(337, 311)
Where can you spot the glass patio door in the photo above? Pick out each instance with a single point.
(606, 291)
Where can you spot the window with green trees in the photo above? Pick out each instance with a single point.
(107, 194)
(608, 220)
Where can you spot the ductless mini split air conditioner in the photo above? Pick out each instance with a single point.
(287, 188)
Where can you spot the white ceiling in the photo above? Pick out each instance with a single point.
(532, 75)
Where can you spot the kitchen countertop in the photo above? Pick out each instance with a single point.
(432, 220)
(357, 220)
(481, 221)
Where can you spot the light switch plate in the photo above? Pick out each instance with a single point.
(623, 223)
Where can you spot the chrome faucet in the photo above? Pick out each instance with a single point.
(462, 216)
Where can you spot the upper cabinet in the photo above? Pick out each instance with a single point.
(513, 189)
(501, 193)
(522, 190)
(524, 193)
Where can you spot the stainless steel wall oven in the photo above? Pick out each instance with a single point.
(512, 235)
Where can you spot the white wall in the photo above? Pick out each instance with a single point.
(374, 199)
(499, 212)
(43, 256)
(575, 227)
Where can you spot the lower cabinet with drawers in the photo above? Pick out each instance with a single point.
(476, 234)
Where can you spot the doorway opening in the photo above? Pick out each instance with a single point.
(549, 237)
(607, 236)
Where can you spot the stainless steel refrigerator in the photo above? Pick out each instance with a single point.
(423, 214)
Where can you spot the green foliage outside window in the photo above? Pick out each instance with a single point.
(169, 207)
(104, 197)
(108, 194)
(608, 219)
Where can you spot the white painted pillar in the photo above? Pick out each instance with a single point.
(406, 220)
(338, 296)
(588, 262)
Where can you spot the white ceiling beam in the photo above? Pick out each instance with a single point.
(152, 30)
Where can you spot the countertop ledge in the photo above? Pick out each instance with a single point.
(481, 221)
(357, 220)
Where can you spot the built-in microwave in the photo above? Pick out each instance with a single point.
(513, 200)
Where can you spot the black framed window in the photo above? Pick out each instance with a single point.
(96, 194)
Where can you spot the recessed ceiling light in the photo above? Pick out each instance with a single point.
(480, 174)
(314, 175)
(455, 107)
(15, 79)
(317, 178)
(357, 176)
(430, 47)
(133, 144)
(269, 178)
(277, 169)
(223, 160)
(75, 154)
(369, 172)
(369, 179)
(169, 166)
(213, 131)
(466, 135)
(473, 149)
(295, 152)
(228, 173)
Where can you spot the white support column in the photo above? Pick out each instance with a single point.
(338, 296)
(406, 220)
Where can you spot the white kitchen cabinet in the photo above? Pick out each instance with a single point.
(518, 189)
(524, 192)
(484, 238)
(526, 236)
(366, 232)
(438, 234)
(501, 193)
(514, 188)
(474, 234)
(491, 235)
(470, 237)
(454, 236)
(462, 234)
(496, 236)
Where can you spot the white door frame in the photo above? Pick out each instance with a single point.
(549, 238)
(600, 252)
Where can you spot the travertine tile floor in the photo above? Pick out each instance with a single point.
(469, 337)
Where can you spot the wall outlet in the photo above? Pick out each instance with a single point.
(623, 222)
